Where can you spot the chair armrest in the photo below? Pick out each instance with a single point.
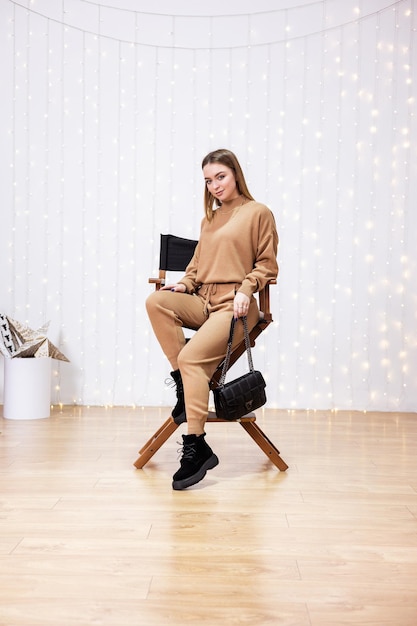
(158, 282)
(264, 302)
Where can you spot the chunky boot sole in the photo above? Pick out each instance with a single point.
(179, 419)
(199, 475)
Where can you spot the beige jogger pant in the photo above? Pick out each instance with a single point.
(209, 312)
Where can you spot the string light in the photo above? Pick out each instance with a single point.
(126, 117)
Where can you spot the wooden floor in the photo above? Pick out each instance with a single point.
(87, 539)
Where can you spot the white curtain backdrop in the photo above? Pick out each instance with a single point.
(107, 109)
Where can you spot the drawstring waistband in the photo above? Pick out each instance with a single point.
(207, 291)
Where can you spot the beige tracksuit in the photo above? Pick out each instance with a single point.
(236, 252)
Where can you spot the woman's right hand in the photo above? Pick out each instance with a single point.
(177, 287)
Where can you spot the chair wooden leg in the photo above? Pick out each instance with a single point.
(155, 435)
(155, 442)
(264, 443)
(248, 423)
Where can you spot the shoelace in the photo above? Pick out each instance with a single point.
(169, 382)
(187, 451)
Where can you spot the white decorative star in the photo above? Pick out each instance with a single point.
(18, 340)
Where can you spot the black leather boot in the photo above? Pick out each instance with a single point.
(197, 458)
(178, 412)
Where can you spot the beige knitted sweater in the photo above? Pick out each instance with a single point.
(240, 247)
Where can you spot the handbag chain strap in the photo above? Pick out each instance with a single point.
(229, 348)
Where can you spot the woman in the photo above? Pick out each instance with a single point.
(234, 258)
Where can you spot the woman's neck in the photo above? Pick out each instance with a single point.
(231, 204)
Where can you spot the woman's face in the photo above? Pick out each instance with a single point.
(220, 181)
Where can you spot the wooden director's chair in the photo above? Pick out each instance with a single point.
(175, 254)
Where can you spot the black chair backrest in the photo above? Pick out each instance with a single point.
(175, 253)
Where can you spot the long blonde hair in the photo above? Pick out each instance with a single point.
(225, 157)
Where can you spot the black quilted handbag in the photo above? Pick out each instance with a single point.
(239, 397)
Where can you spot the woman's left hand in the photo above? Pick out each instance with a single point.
(240, 305)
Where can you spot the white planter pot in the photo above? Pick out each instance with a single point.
(27, 388)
